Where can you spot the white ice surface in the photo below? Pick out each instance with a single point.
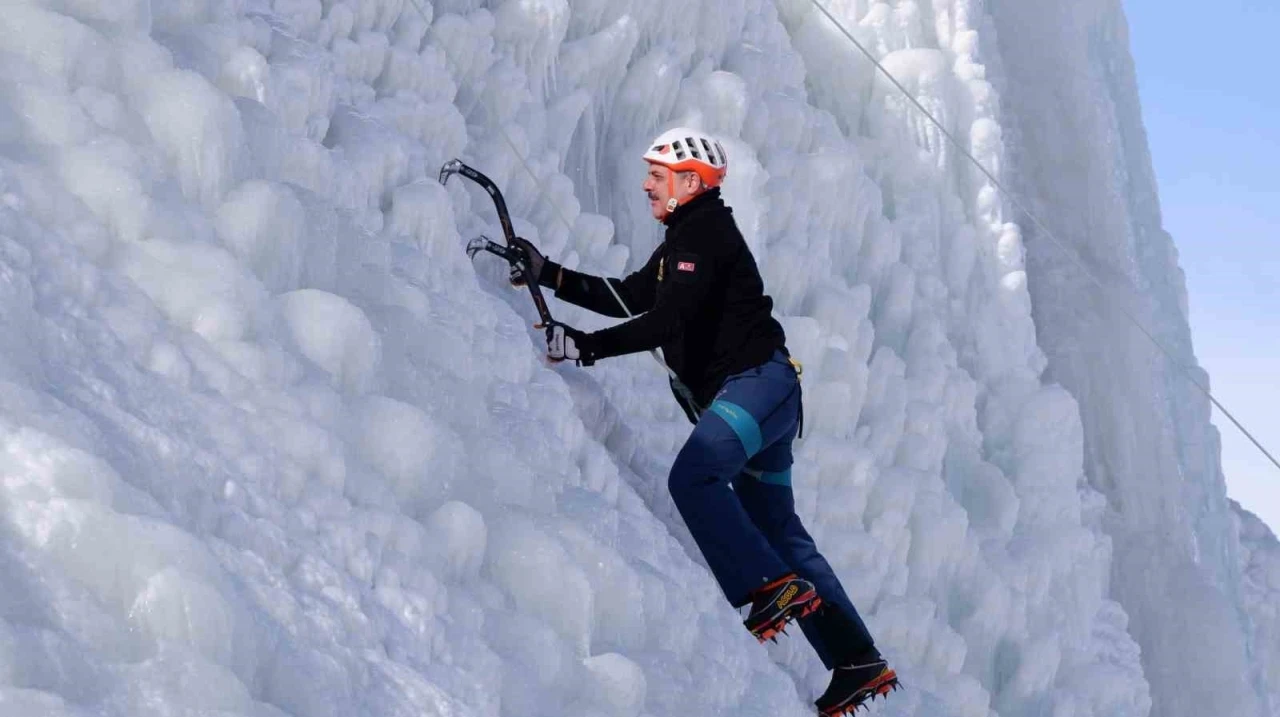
(1260, 590)
(1079, 155)
(271, 445)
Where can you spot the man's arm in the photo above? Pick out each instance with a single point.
(691, 280)
(591, 292)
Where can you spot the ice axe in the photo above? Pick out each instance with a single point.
(514, 255)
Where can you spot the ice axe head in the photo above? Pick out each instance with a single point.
(450, 168)
(477, 245)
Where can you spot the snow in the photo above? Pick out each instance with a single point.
(270, 444)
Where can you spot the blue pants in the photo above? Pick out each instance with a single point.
(732, 485)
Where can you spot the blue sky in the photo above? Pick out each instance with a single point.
(1209, 83)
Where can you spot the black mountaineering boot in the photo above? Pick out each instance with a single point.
(853, 685)
(781, 601)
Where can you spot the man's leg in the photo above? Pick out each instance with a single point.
(750, 413)
(836, 631)
(739, 556)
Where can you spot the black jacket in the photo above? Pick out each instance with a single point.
(699, 297)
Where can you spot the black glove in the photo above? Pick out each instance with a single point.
(537, 265)
(566, 342)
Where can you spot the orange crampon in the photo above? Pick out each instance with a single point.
(880, 686)
(779, 626)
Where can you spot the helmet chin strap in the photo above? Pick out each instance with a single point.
(673, 203)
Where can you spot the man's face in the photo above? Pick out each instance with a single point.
(658, 189)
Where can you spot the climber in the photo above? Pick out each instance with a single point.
(701, 299)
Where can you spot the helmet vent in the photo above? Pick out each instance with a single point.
(693, 147)
(711, 153)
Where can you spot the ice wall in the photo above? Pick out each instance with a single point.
(1079, 155)
(270, 444)
(1260, 588)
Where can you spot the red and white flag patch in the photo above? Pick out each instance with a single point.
(684, 266)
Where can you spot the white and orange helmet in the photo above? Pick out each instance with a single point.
(687, 150)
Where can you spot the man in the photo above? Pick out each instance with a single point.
(701, 299)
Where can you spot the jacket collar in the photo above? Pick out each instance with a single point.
(707, 200)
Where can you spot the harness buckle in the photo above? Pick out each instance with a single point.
(799, 367)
